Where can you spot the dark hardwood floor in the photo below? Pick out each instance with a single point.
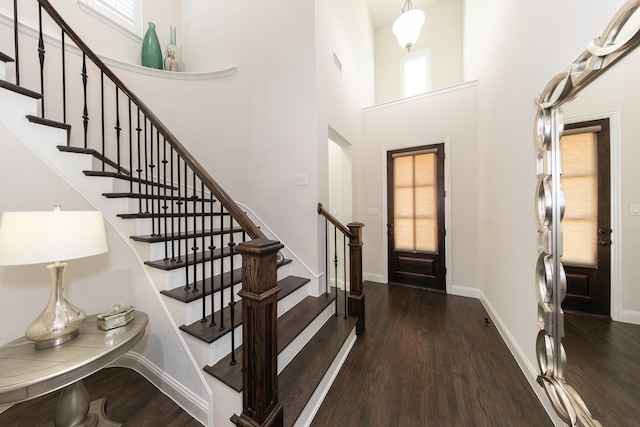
(428, 359)
(604, 367)
(131, 400)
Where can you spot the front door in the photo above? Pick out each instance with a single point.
(415, 211)
(586, 225)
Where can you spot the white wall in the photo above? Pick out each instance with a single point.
(258, 132)
(525, 44)
(446, 115)
(442, 33)
(606, 96)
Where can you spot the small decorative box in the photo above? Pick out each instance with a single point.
(116, 317)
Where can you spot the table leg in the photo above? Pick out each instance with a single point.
(73, 407)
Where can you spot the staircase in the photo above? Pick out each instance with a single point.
(187, 231)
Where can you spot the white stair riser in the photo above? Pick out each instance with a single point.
(145, 226)
(170, 279)
(174, 248)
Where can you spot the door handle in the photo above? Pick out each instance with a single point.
(605, 242)
(605, 231)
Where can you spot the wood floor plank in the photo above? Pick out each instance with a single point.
(428, 359)
(131, 400)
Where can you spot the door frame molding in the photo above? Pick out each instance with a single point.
(616, 214)
(447, 206)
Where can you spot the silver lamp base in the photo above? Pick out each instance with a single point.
(60, 321)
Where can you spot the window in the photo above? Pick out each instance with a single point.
(416, 73)
(125, 14)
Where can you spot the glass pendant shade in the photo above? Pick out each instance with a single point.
(407, 27)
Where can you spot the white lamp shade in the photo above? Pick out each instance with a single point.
(407, 27)
(50, 236)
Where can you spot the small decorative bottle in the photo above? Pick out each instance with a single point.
(171, 60)
(151, 51)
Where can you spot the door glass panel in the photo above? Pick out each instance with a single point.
(580, 183)
(415, 203)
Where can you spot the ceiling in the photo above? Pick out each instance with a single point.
(384, 12)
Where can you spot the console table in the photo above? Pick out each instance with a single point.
(26, 373)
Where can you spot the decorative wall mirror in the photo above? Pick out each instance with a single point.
(620, 37)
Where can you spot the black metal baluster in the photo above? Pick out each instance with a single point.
(179, 203)
(232, 304)
(130, 149)
(165, 206)
(118, 129)
(335, 263)
(146, 168)
(139, 169)
(173, 233)
(15, 40)
(221, 328)
(212, 249)
(41, 54)
(186, 219)
(102, 114)
(64, 82)
(344, 267)
(152, 167)
(85, 110)
(204, 245)
(158, 172)
(195, 247)
(326, 257)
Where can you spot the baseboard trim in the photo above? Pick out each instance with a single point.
(193, 404)
(629, 316)
(529, 371)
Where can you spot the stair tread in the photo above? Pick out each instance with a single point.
(290, 325)
(94, 153)
(189, 295)
(146, 215)
(19, 89)
(209, 334)
(48, 122)
(5, 58)
(152, 195)
(126, 177)
(298, 381)
(190, 259)
(151, 238)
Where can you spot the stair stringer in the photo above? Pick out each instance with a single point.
(42, 141)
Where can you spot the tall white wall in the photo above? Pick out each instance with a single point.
(608, 96)
(446, 116)
(442, 33)
(258, 132)
(524, 45)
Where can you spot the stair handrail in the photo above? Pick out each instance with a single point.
(230, 205)
(355, 300)
(335, 221)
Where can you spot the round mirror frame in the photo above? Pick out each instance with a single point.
(618, 39)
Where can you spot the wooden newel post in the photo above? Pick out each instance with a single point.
(356, 296)
(260, 406)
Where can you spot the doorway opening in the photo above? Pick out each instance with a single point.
(416, 216)
(340, 191)
(586, 225)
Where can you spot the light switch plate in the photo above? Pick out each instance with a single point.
(635, 210)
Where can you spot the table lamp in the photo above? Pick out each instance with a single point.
(52, 237)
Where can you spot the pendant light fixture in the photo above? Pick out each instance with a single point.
(407, 26)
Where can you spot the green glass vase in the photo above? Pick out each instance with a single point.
(151, 51)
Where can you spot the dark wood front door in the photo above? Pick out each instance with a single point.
(415, 212)
(586, 225)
